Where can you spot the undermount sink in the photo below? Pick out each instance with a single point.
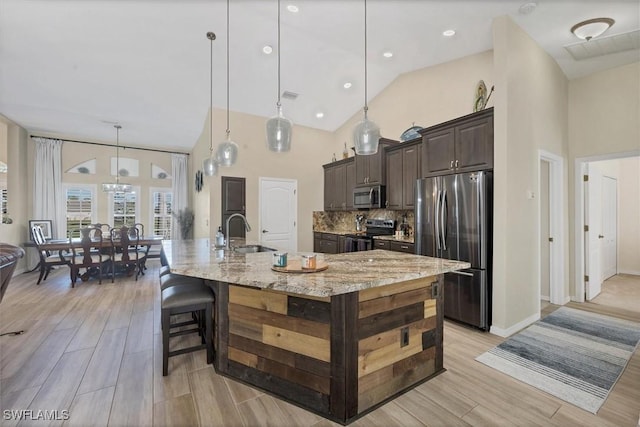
(250, 249)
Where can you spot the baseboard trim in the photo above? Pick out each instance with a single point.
(632, 272)
(504, 333)
(19, 271)
(545, 298)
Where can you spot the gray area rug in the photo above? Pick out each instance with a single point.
(572, 354)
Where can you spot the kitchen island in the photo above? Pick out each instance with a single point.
(338, 342)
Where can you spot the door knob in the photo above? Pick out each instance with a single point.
(265, 231)
(600, 236)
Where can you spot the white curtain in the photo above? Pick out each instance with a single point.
(180, 189)
(48, 196)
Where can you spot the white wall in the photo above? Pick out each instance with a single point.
(530, 114)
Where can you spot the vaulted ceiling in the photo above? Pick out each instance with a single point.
(75, 67)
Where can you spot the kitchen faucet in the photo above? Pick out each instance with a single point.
(247, 227)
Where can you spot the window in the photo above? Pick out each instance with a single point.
(80, 210)
(161, 210)
(124, 207)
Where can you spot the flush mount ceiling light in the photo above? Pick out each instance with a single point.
(586, 30)
(279, 127)
(117, 187)
(387, 54)
(267, 50)
(319, 114)
(366, 134)
(210, 164)
(449, 33)
(293, 8)
(347, 85)
(227, 152)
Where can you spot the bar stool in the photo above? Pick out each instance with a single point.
(186, 298)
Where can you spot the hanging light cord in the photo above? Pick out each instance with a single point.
(118, 127)
(228, 127)
(366, 108)
(278, 104)
(211, 36)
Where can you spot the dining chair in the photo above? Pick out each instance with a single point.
(126, 251)
(89, 254)
(47, 259)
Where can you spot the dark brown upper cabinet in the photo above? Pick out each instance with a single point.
(371, 169)
(403, 168)
(337, 193)
(461, 145)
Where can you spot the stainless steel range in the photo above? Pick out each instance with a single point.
(364, 241)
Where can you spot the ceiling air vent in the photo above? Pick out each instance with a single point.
(605, 45)
(289, 95)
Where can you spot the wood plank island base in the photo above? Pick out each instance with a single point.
(339, 342)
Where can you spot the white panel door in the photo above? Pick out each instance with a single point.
(609, 227)
(278, 213)
(593, 214)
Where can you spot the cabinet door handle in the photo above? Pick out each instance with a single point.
(451, 165)
(456, 164)
(386, 204)
(404, 247)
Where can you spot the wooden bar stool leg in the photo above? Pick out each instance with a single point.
(209, 332)
(166, 315)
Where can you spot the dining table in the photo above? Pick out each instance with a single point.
(66, 245)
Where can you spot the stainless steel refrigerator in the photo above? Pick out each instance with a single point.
(454, 221)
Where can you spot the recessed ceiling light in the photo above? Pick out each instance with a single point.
(586, 30)
(347, 85)
(292, 8)
(267, 49)
(387, 54)
(319, 114)
(527, 8)
(449, 33)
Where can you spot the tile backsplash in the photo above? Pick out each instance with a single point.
(345, 221)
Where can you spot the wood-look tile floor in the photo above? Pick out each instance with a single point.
(96, 351)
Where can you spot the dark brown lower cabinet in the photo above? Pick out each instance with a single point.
(326, 243)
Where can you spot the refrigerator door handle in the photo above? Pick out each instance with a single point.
(443, 209)
(436, 220)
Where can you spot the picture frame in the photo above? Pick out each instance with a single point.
(45, 224)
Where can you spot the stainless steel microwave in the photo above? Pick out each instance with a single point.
(369, 197)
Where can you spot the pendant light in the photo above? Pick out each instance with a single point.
(117, 187)
(210, 165)
(366, 134)
(227, 152)
(279, 127)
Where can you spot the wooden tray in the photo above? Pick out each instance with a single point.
(295, 266)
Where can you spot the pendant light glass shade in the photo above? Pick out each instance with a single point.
(210, 165)
(279, 128)
(279, 132)
(117, 187)
(227, 152)
(366, 134)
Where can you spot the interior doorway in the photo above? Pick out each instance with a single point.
(279, 213)
(551, 228)
(611, 246)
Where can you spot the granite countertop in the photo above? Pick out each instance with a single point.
(348, 272)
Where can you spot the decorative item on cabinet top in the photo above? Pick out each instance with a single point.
(411, 133)
(481, 97)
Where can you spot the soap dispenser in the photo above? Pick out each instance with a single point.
(219, 238)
